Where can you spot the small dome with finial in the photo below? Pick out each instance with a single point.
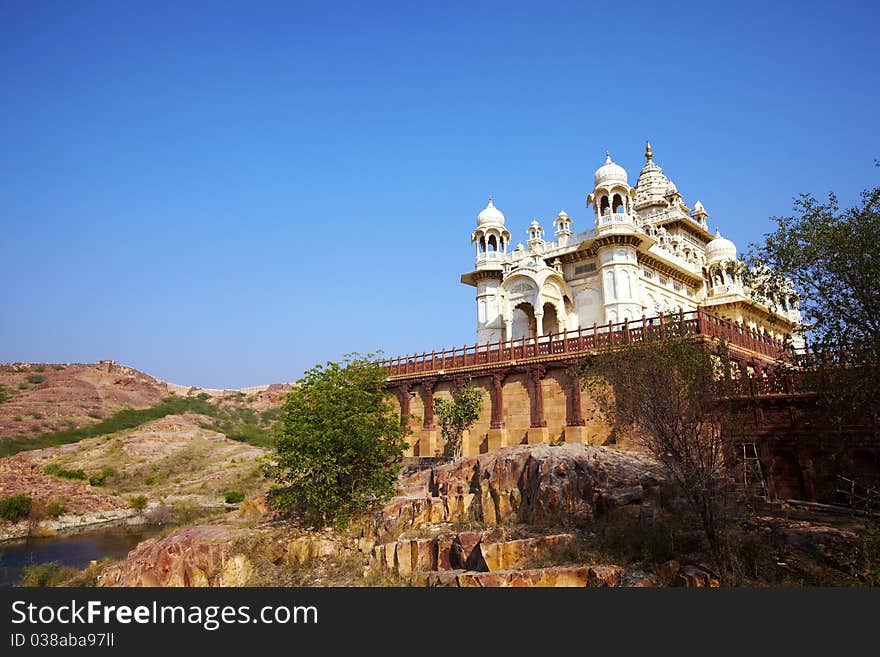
(490, 215)
(720, 249)
(609, 172)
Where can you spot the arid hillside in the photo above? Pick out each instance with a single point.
(39, 398)
(86, 443)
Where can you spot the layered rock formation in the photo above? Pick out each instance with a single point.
(525, 485)
(540, 484)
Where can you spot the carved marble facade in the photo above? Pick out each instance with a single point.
(646, 253)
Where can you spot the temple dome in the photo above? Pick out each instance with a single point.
(609, 172)
(490, 215)
(720, 249)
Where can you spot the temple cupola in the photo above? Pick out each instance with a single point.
(563, 228)
(491, 237)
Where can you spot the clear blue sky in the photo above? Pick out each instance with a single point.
(224, 194)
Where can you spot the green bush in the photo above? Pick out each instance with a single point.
(138, 503)
(339, 443)
(95, 414)
(15, 507)
(55, 509)
(101, 478)
(46, 574)
(35, 415)
(234, 496)
(35, 378)
(57, 471)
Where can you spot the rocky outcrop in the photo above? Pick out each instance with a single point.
(195, 556)
(539, 484)
(535, 485)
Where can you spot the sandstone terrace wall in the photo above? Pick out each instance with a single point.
(521, 405)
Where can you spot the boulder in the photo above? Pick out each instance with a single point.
(604, 576)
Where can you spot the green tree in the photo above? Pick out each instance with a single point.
(665, 391)
(830, 259)
(457, 415)
(339, 442)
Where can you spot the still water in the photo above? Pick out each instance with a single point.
(75, 550)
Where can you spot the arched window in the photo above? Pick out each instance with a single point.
(493, 243)
(603, 204)
(617, 204)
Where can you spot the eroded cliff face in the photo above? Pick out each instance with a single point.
(538, 485)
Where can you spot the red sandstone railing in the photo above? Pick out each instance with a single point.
(587, 340)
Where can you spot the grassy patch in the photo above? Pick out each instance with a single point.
(57, 471)
(54, 509)
(245, 425)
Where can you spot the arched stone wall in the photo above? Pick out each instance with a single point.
(555, 410)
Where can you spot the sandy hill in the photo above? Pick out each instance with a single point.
(39, 398)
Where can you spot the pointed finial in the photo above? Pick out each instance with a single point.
(607, 157)
(649, 154)
(491, 205)
(717, 232)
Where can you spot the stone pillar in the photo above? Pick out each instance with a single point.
(497, 433)
(538, 432)
(539, 324)
(575, 425)
(403, 397)
(805, 462)
(428, 441)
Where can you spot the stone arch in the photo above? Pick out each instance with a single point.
(551, 318)
(523, 323)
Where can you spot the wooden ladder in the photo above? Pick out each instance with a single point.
(753, 474)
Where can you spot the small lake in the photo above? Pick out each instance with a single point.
(71, 549)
